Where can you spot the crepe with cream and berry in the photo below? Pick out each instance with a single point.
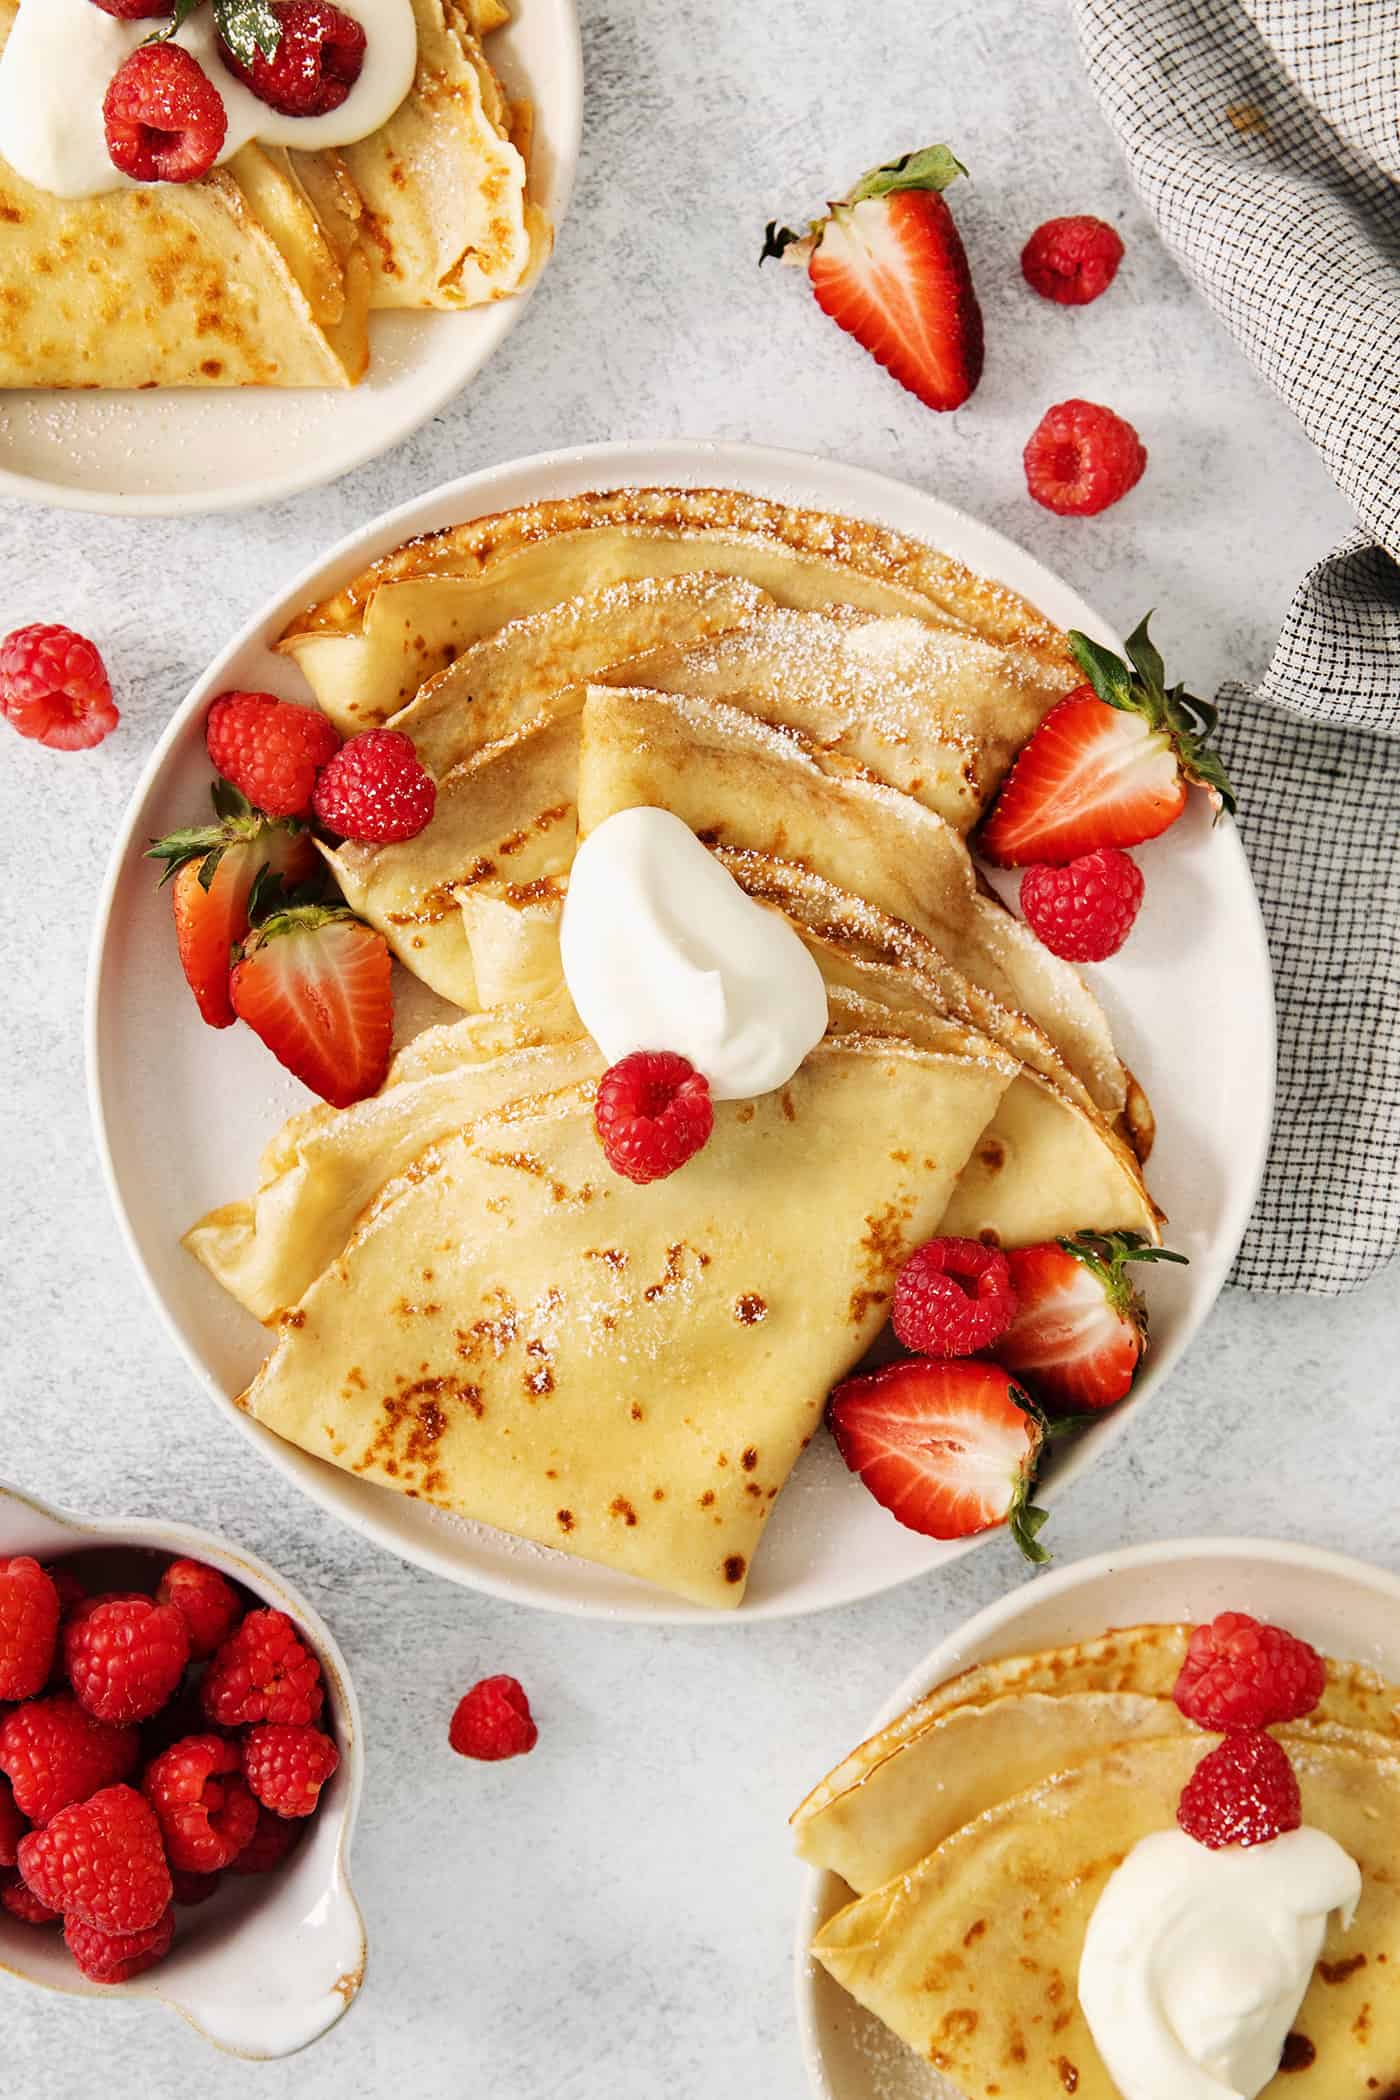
(515, 1333)
(972, 1955)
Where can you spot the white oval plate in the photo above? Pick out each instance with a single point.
(179, 451)
(1344, 1607)
(181, 1113)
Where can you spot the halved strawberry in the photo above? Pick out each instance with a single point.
(214, 867)
(314, 983)
(1109, 766)
(1080, 1329)
(948, 1448)
(888, 265)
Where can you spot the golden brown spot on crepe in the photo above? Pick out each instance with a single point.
(541, 891)
(1361, 2025)
(753, 1487)
(723, 1459)
(621, 1507)
(707, 1498)
(658, 1494)
(295, 1318)
(211, 367)
(674, 1271)
(611, 1257)
(539, 1374)
(991, 1154)
(511, 843)
(636, 1411)
(1298, 2054)
(565, 1519)
(749, 1459)
(745, 1113)
(405, 1311)
(11, 214)
(989, 1237)
(750, 1309)
(901, 1159)
(735, 1568)
(356, 1377)
(1069, 2074)
(956, 2025)
(974, 1931)
(789, 1112)
(1338, 1971)
(496, 1335)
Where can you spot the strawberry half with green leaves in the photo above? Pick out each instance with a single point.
(888, 265)
(214, 867)
(948, 1448)
(1111, 764)
(313, 982)
(1080, 1329)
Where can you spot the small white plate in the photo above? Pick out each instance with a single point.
(272, 1961)
(1343, 1607)
(182, 1114)
(180, 451)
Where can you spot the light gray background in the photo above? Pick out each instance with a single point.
(610, 1919)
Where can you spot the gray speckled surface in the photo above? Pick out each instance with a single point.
(610, 1920)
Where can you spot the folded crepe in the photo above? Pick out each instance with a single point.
(263, 272)
(972, 1956)
(516, 1334)
(367, 649)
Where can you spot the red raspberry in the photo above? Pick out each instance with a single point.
(22, 1903)
(28, 1627)
(165, 119)
(205, 1817)
(115, 1957)
(55, 1754)
(102, 1861)
(54, 687)
(1085, 910)
(653, 1113)
(1243, 1793)
(287, 1767)
(269, 1845)
(263, 1672)
(12, 1825)
(1080, 458)
(1241, 1674)
(493, 1721)
(316, 63)
(1071, 260)
(191, 1889)
(953, 1298)
(376, 789)
(125, 1655)
(71, 1592)
(270, 749)
(133, 10)
(205, 1600)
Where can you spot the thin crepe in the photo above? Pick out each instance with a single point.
(516, 1334)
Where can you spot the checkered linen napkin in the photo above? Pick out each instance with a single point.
(1265, 140)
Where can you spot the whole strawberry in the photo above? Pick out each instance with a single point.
(376, 789)
(101, 1861)
(1241, 1674)
(54, 688)
(124, 1656)
(206, 1601)
(270, 749)
(115, 1957)
(887, 264)
(205, 1811)
(28, 1627)
(287, 1767)
(263, 1672)
(54, 1754)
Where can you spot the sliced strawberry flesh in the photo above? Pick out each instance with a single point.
(319, 996)
(1091, 776)
(892, 272)
(943, 1447)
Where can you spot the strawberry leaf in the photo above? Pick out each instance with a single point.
(932, 168)
(1025, 1521)
(248, 27)
(1140, 689)
(180, 14)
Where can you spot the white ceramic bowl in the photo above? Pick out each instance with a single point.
(1191, 992)
(186, 451)
(1343, 1607)
(272, 1960)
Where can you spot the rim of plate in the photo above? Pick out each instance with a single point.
(943, 1661)
(495, 323)
(640, 462)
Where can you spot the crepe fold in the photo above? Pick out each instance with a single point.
(264, 272)
(627, 1373)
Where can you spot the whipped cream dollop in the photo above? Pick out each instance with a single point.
(1195, 1962)
(662, 950)
(58, 63)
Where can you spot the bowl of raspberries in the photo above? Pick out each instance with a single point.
(180, 1767)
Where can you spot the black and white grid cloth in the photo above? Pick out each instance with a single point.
(1265, 140)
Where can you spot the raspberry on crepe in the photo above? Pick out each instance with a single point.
(165, 119)
(947, 1448)
(888, 265)
(1080, 1329)
(1110, 765)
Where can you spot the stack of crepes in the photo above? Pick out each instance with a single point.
(979, 1829)
(471, 1306)
(265, 272)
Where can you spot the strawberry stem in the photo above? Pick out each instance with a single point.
(931, 168)
(1139, 687)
